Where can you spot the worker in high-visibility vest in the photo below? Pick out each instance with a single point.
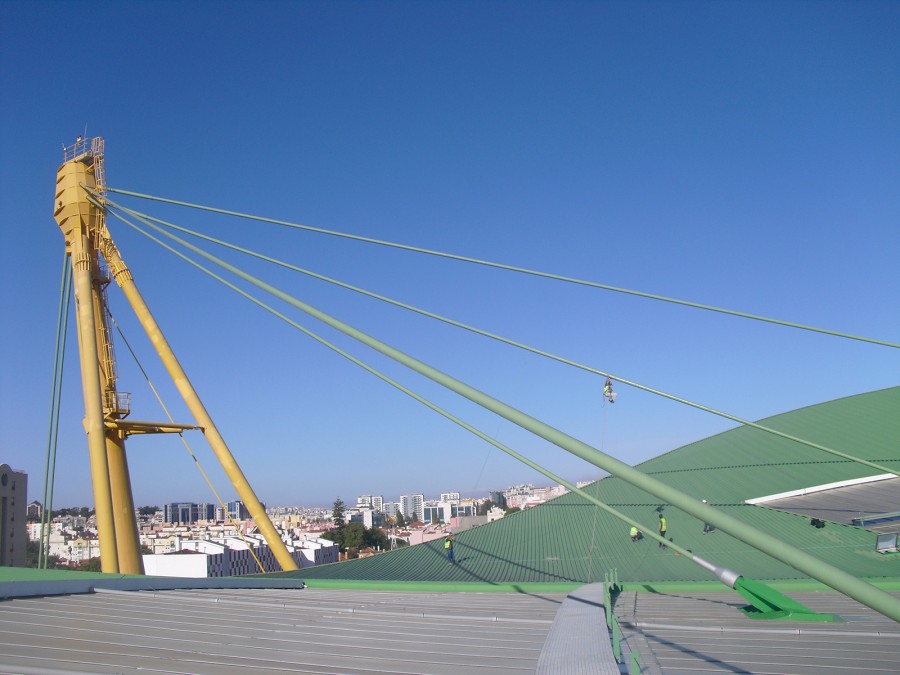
(608, 392)
(448, 547)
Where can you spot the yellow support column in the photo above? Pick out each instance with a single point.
(127, 539)
(123, 278)
(74, 215)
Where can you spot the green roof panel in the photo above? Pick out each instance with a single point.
(570, 540)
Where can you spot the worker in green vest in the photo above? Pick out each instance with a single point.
(663, 526)
(448, 547)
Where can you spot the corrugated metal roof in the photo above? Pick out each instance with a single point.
(355, 633)
(270, 631)
(17, 582)
(705, 632)
(568, 540)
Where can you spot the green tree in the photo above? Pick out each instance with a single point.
(354, 537)
(82, 511)
(92, 565)
(32, 553)
(376, 539)
(148, 510)
(401, 521)
(337, 513)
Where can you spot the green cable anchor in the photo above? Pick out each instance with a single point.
(767, 603)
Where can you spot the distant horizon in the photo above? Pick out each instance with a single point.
(277, 506)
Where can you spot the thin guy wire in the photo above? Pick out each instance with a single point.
(185, 442)
(50, 464)
(512, 268)
(62, 362)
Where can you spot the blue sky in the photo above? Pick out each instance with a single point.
(743, 155)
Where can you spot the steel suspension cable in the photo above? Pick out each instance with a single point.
(511, 268)
(441, 411)
(55, 400)
(508, 341)
(802, 561)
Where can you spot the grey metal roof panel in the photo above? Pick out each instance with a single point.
(845, 504)
(246, 631)
(704, 632)
(335, 631)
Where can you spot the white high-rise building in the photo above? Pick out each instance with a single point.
(413, 506)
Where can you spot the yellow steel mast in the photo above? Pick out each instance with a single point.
(89, 246)
(81, 223)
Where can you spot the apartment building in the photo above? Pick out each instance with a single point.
(13, 503)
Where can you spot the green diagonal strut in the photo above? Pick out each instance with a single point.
(765, 601)
(840, 580)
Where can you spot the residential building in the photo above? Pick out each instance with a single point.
(237, 510)
(465, 508)
(234, 556)
(315, 550)
(525, 496)
(374, 502)
(413, 506)
(435, 512)
(188, 512)
(34, 510)
(367, 516)
(13, 500)
(78, 550)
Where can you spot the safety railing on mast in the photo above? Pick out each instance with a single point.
(90, 151)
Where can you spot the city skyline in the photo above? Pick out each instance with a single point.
(328, 506)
